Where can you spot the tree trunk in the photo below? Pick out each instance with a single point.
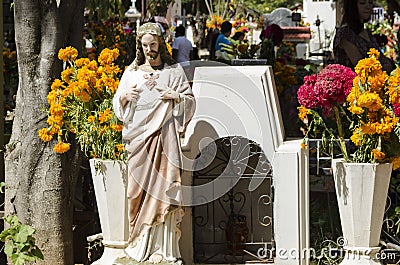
(40, 183)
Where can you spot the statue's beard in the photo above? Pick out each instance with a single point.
(152, 55)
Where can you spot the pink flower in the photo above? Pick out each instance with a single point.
(281, 60)
(300, 62)
(306, 94)
(396, 109)
(331, 87)
(273, 32)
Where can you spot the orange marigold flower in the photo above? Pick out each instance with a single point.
(66, 75)
(120, 147)
(52, 97)
(61, 147)
(91, 118)
(371, 101)
(378, 155)
(356, 110)
(303, 111)
(396, 162)
(304, 146)
(55, 129)
(45, 135)
(57, 83)
(105, 115)
(366, 67)
(377, 82)
(108, 56)
(357, 137)
(69, 53)
(373, 53)
(82, 62)
(116, 127)
(56, 110)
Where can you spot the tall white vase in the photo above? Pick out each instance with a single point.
(110, 183)
(361, 190)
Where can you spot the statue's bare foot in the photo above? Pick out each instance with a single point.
(155, 258)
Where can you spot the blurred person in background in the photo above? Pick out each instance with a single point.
(352, 40)
(182, 48)
(226, 30)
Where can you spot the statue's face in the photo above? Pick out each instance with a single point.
(150, 46)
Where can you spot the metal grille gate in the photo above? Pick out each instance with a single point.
(238, 226)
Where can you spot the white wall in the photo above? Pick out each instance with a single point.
(326, 10)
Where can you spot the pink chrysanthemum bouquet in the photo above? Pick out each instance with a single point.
(323, 95)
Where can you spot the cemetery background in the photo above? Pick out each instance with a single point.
(84, 191)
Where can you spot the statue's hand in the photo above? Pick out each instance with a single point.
(131, 95)
(170, 94)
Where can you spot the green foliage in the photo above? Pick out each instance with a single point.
(269, 6)
(104, 9)
(112, 33)
(267, 51)
(158, 7)
(19, 242)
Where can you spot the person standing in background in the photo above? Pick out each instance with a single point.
(182, 48)
(226, 30)
(352, 40)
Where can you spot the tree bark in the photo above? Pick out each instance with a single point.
(40, 183)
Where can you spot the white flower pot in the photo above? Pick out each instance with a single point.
(361, 190)
(110, 183)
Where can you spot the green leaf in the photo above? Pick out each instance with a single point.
(11, 219)
(9, 248)
(37, 253)
(29, 230)
(22, 235)
(4, 234)
(2, 185)
(20, 260)
(28, 257)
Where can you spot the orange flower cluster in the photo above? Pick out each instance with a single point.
(372, 101)
(81, 103)
(214, 22)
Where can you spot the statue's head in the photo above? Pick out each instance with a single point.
(150, 44)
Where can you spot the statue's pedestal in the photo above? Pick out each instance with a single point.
(126, 261)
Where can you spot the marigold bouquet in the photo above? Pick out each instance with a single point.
(81, 104)
(367, 99)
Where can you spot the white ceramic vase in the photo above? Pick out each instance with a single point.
(110, 183)
(361, 190)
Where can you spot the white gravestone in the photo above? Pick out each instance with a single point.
(242, 101)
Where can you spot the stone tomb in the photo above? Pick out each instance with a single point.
(235, 154)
